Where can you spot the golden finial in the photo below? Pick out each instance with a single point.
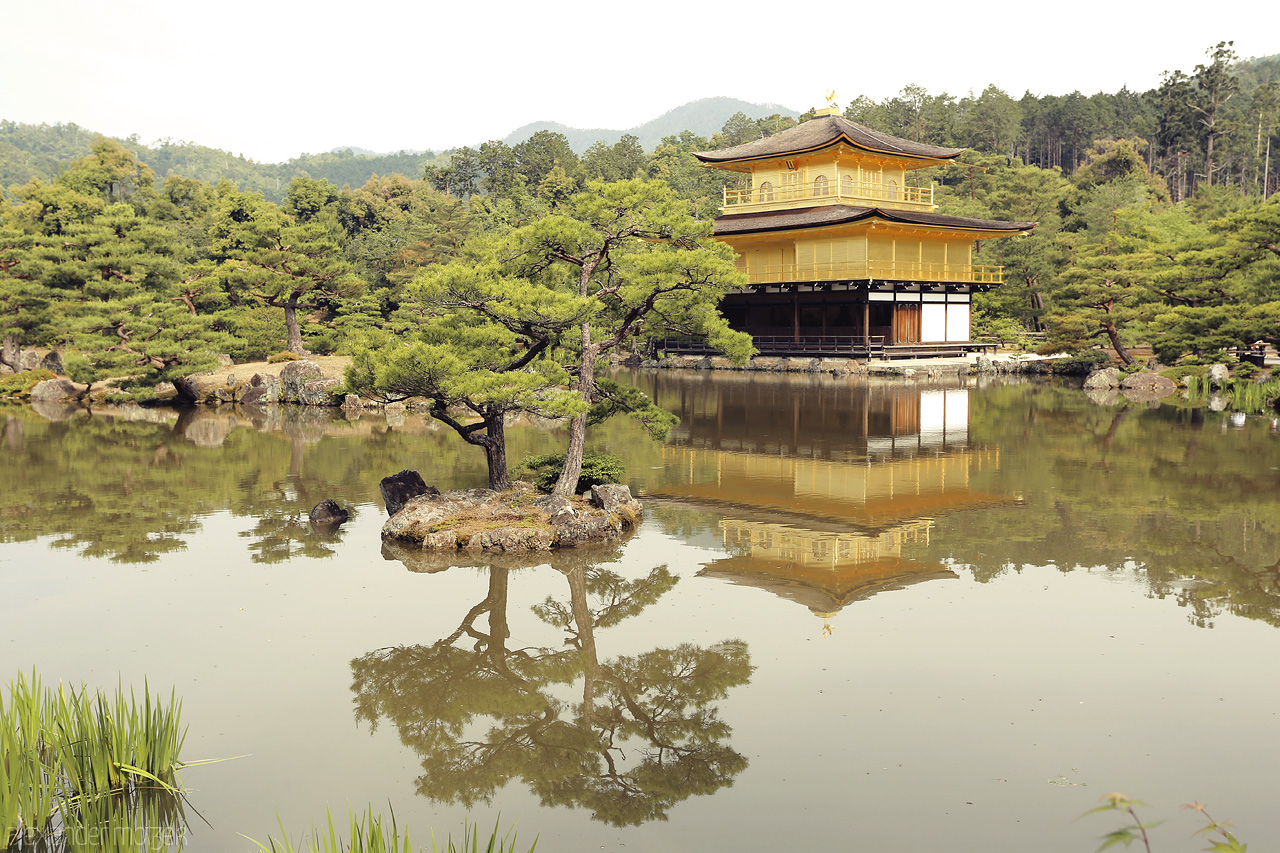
(831, 97)
(827, 628)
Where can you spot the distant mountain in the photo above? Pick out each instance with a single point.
(703, 117)
(365, 152)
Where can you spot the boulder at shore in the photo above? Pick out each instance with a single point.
(399, 488)
(516, 520)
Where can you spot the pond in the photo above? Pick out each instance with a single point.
(860, 613)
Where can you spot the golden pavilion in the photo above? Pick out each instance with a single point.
(842, 254)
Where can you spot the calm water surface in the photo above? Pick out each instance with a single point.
(858, 615)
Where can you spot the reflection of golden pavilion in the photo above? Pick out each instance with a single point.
(817, 549)
(823, 485)
(778, 416)
(846, 523)
(823, 570)
(867, 493)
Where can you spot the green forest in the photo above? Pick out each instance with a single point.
(1157, 212)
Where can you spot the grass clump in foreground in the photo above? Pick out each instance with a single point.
(370, 833)
(1242, 395)
(81, 771)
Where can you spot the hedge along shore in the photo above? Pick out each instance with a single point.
(972, 363)
(317, 380)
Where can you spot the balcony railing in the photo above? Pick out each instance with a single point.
(788, 345)
(873, 271)
(767, 198)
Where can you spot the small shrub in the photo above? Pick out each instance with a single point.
(1179, 373)
(597, 469)
(1082, 364)
(19, 385)
(283, 355)
(1244, 370)
(1205, 359)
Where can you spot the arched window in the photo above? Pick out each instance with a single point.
(846, 186)
(820, 186)
(765, 192)
(891, 189)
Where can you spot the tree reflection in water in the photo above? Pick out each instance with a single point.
(645, 735)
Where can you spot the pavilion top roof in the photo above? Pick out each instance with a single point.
(821, 132)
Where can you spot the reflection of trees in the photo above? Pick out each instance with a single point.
(283, 532)
(1192, 505)
(132, 490)
(281, 508)
(104, 487)
(644, 736)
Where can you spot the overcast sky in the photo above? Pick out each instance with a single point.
(272, 80)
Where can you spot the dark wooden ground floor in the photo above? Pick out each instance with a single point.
(848, 323)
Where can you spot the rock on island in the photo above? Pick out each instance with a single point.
(517, 520)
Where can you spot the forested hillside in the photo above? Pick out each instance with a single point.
(29, 152)
(1158, 219)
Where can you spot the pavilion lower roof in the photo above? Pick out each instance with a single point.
(843, 214)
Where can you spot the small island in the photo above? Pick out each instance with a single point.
(517, 519)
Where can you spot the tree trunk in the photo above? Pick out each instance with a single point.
(495, 451)
(567, 485)
(586, 642)
(1266, 171)
(295, 332)
(1114, 334)
(14, 433)
(11, 353)
(499, 631)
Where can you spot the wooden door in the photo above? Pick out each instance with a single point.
(906, 324)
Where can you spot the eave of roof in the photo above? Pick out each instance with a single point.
(842, 214)
(822, 132)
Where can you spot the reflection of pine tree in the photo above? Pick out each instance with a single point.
(282, 530)
(644, 737)
(283, 533)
